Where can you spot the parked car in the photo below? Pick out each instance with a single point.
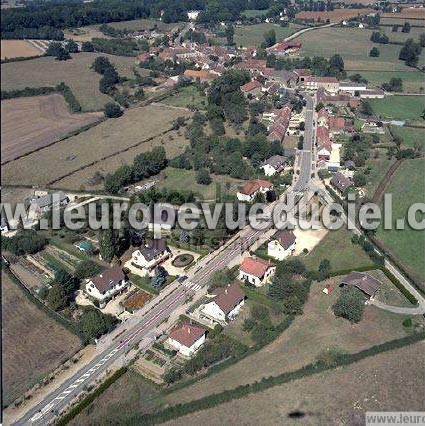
(182, 279)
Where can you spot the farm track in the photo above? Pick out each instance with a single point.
(386, 180)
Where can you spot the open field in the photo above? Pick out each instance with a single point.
(33, 343)
(76, 73)
(336, 15)
(248, 35)
(250, 13)
(308, 336)
(380, 166)
(137, 125)
(145, 24)
(399, 107)
(411, 136)
(408, 245)
(414, 33)
(18, 49)
(337, 247)
(412, 80)
(31, 123)
(186, 180)
(407, 13)
(392, 19)
(186, 96)
(353, 44)
(84, 33)
(336, 397)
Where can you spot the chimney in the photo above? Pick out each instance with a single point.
(188, 330)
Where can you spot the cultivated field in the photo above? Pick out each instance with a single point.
(408, 245)
(31, 123)
(407, 13)
(413, 80)
(18, 49)
(46, 71)
(308, 336)
(336, 15)
(136, 126)
(33, 343)
(353, 44)
(399, 107)
(336, 397)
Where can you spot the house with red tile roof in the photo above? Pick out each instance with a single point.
(256, 271)
(252, 88)
(224, 306)
(186, 338)
(252, 188)
(203, 75)
(322, 117)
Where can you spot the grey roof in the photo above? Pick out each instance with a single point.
(152, 248)
(363, 281)
(276, 161)
(108, 279)
(285, 237)
(46, 200)
(341, 182)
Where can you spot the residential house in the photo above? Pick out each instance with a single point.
(44, 203)
(186, 338)
(282, 244)
(252, 188)
(106, 285)
(322, 117)
(275, 164)
(280, 125)
(363, 281)
(287, 78)
(341, 183)
(251, 89)
(340, 99)
(203, 75)
(302, 74)
(331, 84)
(225, 304)
(256, 271)
(284, 48)
(323, 142)
(151, 254)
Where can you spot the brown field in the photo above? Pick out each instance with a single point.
(407, 13)
(18, 49)
(52, 163)
(309, 335)
(390, 381)
(76, 73)
(84, 33)
(174, 143)
(137, 300)
(31, 123)
(337, 15)
(400, 21)
(33, 343)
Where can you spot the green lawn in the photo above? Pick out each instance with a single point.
(145, 24)
(179, 179)
(410, 136)
(399, 107)
(412, 80)
(380, 166)
(353, 44)
(251, 13)
(339, 250)
(408, 245)
(248, 35)
(187, 96)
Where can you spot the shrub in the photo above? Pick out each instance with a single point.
(112, 110)
(350, 304)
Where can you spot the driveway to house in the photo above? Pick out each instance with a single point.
(397, 309)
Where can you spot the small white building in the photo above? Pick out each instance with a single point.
(282, 244)
(256, 270)
(252, 188)
(275, 164)
(105, 286)
(193, 15)
(186, 338)
(225, 305)
(151, 254)
(40, 205)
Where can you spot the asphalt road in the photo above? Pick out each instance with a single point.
(306, 154)
(143, 332)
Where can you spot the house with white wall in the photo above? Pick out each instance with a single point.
(252, 188)
(186, 338)
(256, 270)
(151, 254)
(224, 306)
(282, 244)
(273, 165)
(106, 285)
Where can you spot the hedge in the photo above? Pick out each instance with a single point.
(90, 398)
(27, 92)
(69, 97)
(409, 296)
(20, 58)
(268, 382)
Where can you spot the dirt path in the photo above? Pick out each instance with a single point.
(386, 180)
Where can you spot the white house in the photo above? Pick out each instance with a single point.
(225, 305)
(193, 15)
(257, 271)
(106, 285)
(275, 164)
(42, 204)
(282, 244)
(186, 338)
(151, 254)
(252, 188)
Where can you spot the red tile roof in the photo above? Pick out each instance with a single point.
(337, 122)
(227, 298)
(187, 334)
(252, 186)
(322, 135)
(256, 267)
(251, 85)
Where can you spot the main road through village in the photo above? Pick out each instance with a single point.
(142, 329)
